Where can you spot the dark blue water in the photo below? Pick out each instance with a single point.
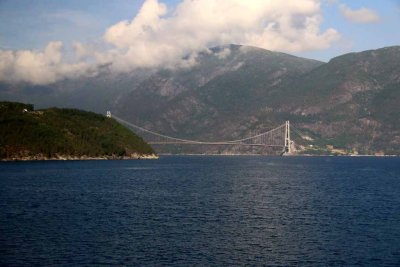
(219, 211)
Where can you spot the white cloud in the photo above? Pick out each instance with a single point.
(81, 50)
(38, 67)
(159, 37)
(362, 15)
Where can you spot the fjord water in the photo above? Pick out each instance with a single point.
(219, 211)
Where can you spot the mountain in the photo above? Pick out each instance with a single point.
(64, 134)
(352, 101)
(349, 103)
(219, 92)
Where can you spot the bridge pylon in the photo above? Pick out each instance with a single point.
(288, 143)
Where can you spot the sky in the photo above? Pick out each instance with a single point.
(43, 41)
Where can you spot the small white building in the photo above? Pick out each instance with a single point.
(108, 114)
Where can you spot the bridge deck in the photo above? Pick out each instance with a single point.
(211, 144)
(277, 137)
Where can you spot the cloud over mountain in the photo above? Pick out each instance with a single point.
(156, 37)
(38, 67)
(162, 37)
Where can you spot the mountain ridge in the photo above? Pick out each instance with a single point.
(349, 102)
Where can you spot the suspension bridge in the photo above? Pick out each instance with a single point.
(278, 137)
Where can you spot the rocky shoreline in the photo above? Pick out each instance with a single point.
(41, 157)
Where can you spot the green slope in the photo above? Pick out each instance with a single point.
(52, 133)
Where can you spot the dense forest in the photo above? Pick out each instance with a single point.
(26, 133)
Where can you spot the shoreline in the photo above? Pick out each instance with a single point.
(72, 158)
(293, 155)
(157, 156)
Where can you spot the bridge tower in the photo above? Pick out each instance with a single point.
(288, 143)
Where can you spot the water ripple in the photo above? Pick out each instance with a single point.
(218, 211)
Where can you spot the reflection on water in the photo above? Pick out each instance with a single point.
(201, 211)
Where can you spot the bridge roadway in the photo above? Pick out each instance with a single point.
(210, 143)
(277, 137)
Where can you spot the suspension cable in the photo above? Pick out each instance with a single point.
(194, 141)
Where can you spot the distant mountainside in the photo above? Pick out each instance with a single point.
(350, 103)
(64, 134)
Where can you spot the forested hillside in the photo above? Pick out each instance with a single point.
(63, 134)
